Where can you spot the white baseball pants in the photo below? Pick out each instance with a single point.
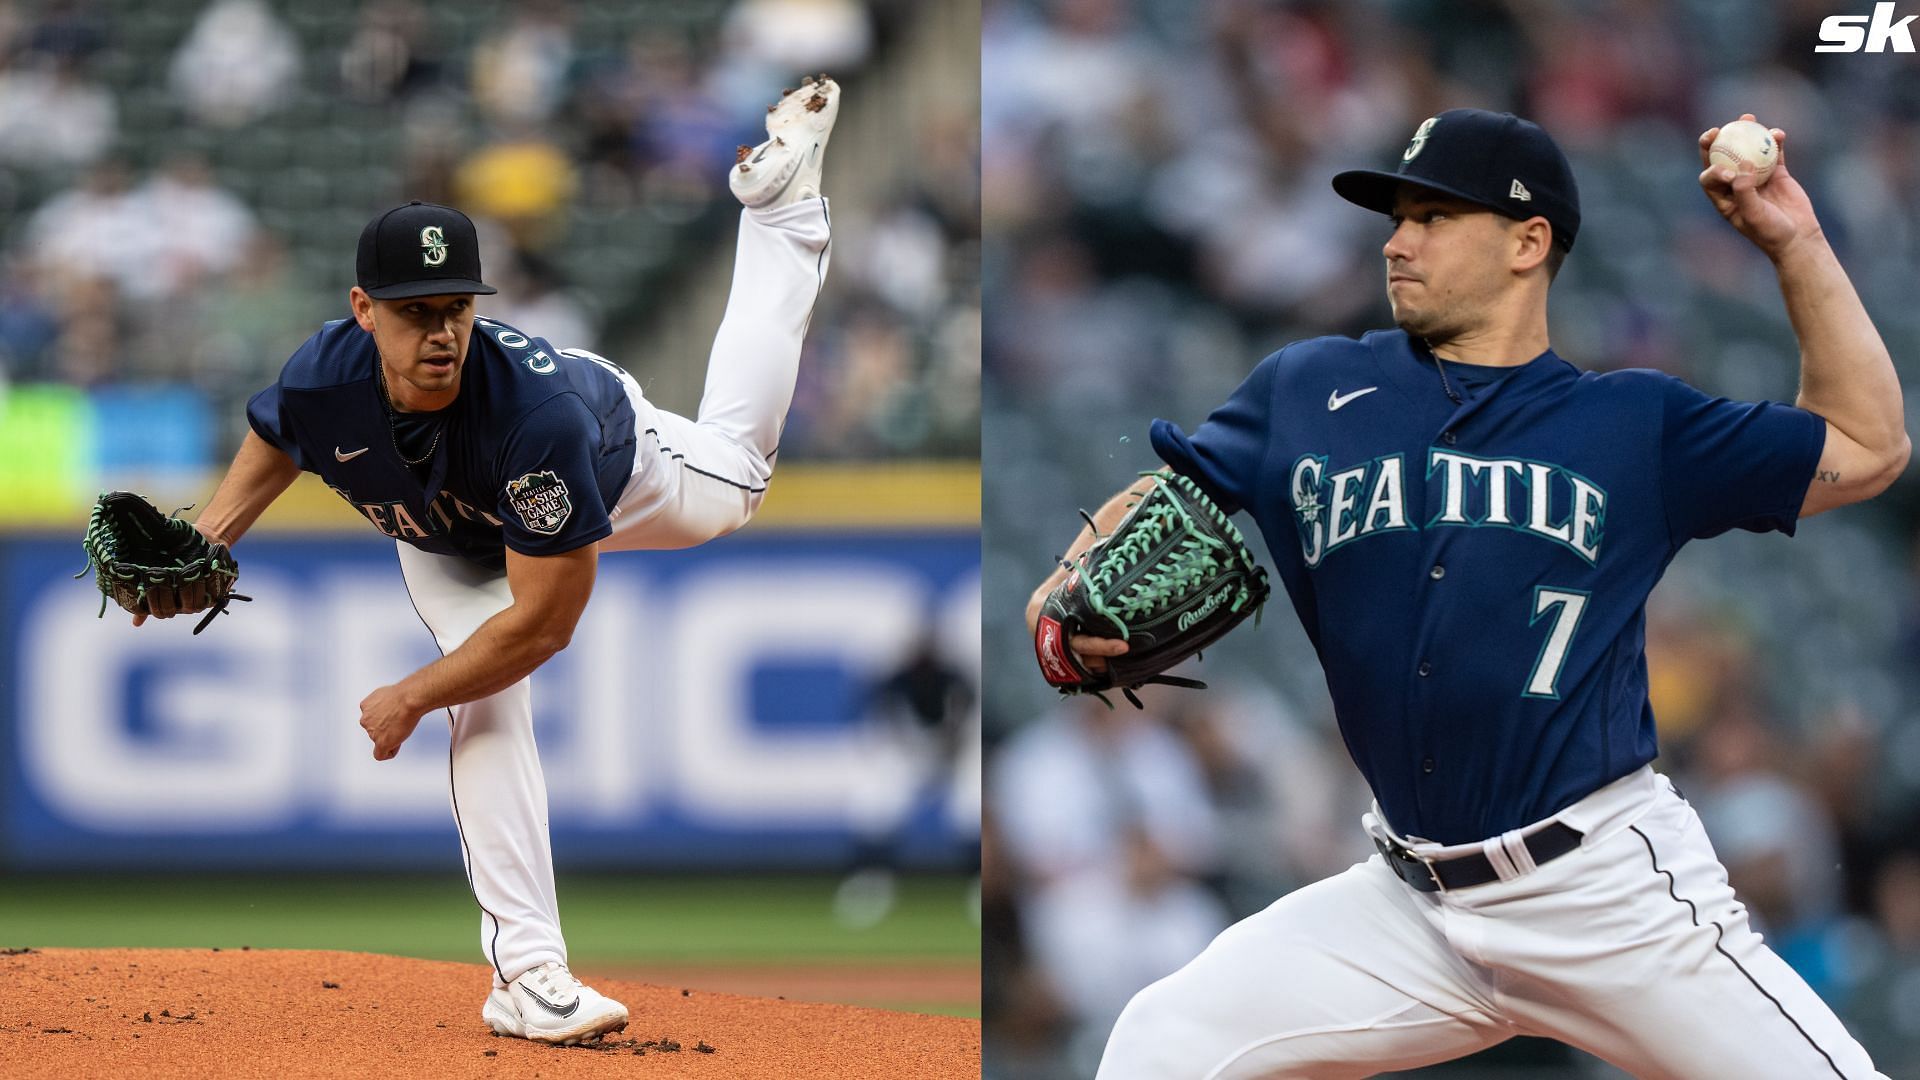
(693, 480)
(697, 480)
(1632, 948)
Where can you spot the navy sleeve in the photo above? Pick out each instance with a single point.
(1734, 464)
(1224, 456)
(549, 497)
(269, 422)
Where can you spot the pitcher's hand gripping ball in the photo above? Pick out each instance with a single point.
(151, 564)
(1170, 579)
(1748, 143)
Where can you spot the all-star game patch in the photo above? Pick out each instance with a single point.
(541, 501)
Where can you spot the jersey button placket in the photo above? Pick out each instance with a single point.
(1425, 669)
(1437, 572)
(1426, 766)
(1449, 438)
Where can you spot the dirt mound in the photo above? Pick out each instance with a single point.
(282, 1014)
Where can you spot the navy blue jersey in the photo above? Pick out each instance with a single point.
(1474, 577)
(534, 450)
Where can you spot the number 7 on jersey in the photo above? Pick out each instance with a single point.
(1545, 680)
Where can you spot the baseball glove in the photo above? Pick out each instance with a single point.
(155, 565)
(1170, 579)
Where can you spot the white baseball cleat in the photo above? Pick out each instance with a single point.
(549, 1005)
(786, 168)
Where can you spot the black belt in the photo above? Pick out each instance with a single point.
(1473, 868)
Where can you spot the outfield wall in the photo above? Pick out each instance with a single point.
(712, 711)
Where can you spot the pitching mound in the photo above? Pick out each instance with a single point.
(282, 1014)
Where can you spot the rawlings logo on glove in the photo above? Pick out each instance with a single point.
(1172, 578)
(1055, 662)
(151, 564)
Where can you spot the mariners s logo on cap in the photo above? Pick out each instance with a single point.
(433, 246)
(419, 249)
(1419, 142)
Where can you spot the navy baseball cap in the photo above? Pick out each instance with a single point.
(419, 250)
(1497, 160)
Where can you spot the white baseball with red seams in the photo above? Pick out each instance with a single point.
(1745, 144)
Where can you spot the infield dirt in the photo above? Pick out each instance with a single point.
(283, 1014)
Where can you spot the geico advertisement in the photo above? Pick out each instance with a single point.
(719, 706)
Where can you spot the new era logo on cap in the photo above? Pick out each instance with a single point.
(1519, 191)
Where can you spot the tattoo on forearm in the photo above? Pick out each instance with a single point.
(1831, 476)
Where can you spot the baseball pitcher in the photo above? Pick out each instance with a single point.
(503, 466)
(1468, 527)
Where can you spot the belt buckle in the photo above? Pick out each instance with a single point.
(1438, 885)
(1395, 850)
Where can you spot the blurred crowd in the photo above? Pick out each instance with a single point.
(1158, 217)
(181, 185)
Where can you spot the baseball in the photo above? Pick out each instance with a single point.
(1744, 142)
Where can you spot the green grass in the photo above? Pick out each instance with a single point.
(967, 1009)
(609, 920)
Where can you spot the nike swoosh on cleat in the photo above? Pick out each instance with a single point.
(1337, 401)
(550, 1006)
(339, 456)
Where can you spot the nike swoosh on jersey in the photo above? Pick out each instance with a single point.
(1337, 401)
(338, 456)
(550, 1006)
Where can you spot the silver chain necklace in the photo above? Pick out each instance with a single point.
(1445, 383)
(393, 423)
